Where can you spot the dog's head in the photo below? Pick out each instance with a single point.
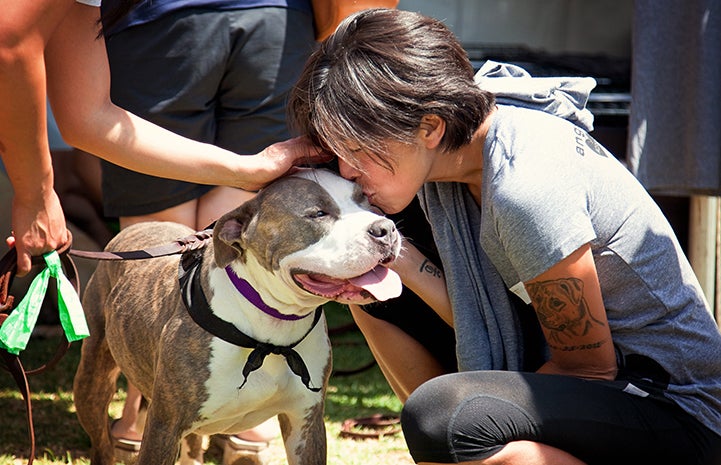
(316, 232)
(559, 304)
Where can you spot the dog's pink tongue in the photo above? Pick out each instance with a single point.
(381, 282)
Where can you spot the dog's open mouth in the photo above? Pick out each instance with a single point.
(380, 283)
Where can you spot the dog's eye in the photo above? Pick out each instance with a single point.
(316, 214)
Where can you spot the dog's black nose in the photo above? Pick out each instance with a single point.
(382, 229)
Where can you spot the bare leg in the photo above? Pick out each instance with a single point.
(527, 453)
(128, 426)
(217, 202)
(264, 432)
(184, 213)
(199, 213)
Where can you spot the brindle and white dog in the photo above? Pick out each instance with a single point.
(240, 337)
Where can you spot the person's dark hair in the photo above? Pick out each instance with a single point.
(375, 78)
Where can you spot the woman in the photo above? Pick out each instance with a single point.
(524, 200)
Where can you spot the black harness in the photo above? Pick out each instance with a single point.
(199, 310)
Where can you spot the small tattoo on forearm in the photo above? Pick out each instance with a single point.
(562, 310)
(428, 267)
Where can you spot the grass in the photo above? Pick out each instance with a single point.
(60, 439)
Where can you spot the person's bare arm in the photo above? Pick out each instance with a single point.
(567, 299)
(405, 362)
(37, 218)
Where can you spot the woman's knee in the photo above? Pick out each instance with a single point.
(464, 417)
(425, 420)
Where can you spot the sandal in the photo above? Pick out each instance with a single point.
(128, 445)
(126, 450)
(237, 451)
(237, 443)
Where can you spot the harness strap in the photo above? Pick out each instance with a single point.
(13, 365)
(199, 309)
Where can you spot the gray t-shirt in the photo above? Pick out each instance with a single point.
(549, 188)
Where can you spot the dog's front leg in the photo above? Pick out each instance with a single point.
(304, 437)
(161, 439)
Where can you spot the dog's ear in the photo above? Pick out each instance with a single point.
(574, 289)
(230, 231)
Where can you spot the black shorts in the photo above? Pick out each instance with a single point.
(220, 77)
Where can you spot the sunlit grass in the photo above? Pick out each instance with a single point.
(61, 440)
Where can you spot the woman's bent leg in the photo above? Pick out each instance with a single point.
(472, 416)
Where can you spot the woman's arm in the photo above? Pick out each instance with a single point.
(425, 279)
(78, 86)
(405, 362)
(567, 299)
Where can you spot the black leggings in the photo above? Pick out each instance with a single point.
(472, 415)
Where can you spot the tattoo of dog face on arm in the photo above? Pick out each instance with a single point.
(563, 312)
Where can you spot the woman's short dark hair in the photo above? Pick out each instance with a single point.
(375, 78)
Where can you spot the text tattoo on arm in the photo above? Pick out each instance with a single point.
(428, 267)
(563, 312)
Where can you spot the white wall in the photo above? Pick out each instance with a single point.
(579, 26)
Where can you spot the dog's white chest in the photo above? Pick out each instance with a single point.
(235, 400)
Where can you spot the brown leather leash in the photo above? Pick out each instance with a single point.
(192, 242)
(11, 362)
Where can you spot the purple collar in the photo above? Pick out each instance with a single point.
(247, 291)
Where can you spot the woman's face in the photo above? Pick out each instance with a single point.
(391, 191)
